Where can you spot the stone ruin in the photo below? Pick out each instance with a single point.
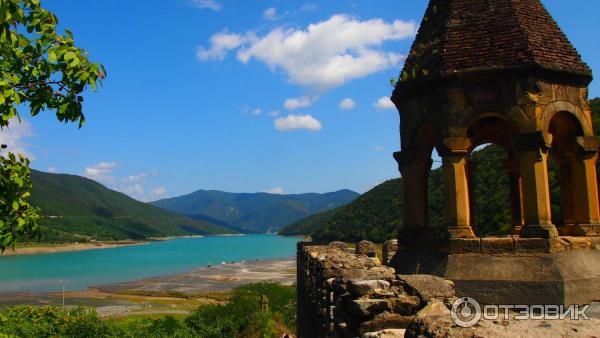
(479, 72)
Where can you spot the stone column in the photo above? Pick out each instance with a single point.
(516, 194)
(471, 172)
(414, 168)
(458, 213)
(585, 186)
(533, 161)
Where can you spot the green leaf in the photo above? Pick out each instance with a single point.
(52, 56)
(15, 206)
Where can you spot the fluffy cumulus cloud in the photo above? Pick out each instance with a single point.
(277, 190)
(220, 44)
(207, 4)
(298, 102)
(325, 55)
(295, 122)
(133, 185)
(101, 172)
(384, 103)
(347, 104)
(14, 137)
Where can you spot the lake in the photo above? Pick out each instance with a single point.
(81, 269)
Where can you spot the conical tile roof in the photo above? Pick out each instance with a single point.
(470, 36)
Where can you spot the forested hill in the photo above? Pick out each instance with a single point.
(256, 212)
(75, 208)
(377, 214)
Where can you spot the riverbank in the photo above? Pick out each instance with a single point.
(170, 294)
(33, 249)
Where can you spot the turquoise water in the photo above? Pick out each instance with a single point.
(81, 269)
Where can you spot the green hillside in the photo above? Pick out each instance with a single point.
(258, 212)
(76, 208)
(377, 214)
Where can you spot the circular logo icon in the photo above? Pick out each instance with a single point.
(465, 312)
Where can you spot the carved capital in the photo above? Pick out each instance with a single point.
(456, 146)
(588, 144)
(410, 161)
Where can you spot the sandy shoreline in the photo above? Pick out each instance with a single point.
(52, 248)
(171, 294)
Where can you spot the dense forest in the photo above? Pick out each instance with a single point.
(377, 214)
(76, 209)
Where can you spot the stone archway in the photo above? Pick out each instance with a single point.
(576, 163)
(496, 131)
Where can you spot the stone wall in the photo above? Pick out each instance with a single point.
(343, 292)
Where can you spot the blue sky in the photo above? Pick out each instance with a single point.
(243, 96)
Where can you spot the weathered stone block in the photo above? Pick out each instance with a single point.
(502, 245)
(364, 307)
(427, 286)
(405, 305)
(578, 242)
(389, 250)
(434, 308)
(557, 245)
(465, 245)
(384, 321)
(531, 245)
(338, 245)
(366, 248)
(365, 287)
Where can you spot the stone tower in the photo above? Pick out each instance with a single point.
(500, 72)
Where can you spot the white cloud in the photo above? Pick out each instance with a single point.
(14, 137)
(220, 44)
(270, 13)
(52, 170)
(132, 185)
(208, 4)
(274, 113)
(256, 111)
(378, 148)
(277, 190)
(101, 172)
(298, 102)
(136, 191)
(384, 103)
(294, 122)
(325, 55)
(347, 104)
(158, 192)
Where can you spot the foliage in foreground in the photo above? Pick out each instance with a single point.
(240, 317)
(40, 69)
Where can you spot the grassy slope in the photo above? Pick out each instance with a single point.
(74, 205)
(378, 213)
(256, 212)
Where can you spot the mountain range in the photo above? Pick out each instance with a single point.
(75, 208)
(254, 212)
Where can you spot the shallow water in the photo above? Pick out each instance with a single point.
(81, 269)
